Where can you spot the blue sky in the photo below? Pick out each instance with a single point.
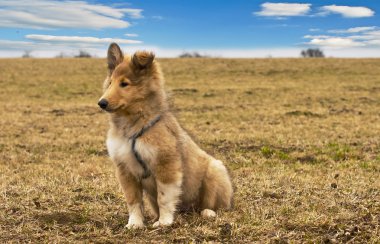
(239, 28)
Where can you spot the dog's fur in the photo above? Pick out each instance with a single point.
(183, 176)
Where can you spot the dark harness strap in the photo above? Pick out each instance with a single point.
(147, 172)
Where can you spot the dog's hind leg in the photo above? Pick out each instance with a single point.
(216, 190)
(208, 213)
(208, 198)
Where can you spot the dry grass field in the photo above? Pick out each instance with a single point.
(301, 138)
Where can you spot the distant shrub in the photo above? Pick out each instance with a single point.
(191, 55)
(83, 54)
(312, 53)
(27, 54)
(63, 55)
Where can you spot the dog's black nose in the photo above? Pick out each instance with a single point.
(103, 103)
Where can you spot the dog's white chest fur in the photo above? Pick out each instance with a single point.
(118, 148)
(120, 151)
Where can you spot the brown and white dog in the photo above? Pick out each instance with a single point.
(151, 151)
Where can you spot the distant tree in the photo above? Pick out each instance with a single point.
(197, 55)
(63, 55)
(185, 55)
(83, 54)
(191, 55)
(27, 54)
(312, 53)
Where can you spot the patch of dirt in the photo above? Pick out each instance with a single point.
(304, 113)
(185, 90)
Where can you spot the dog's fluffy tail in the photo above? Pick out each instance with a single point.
(217, 188)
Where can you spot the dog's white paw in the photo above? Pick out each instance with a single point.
(208, 213)
(162, 223)
(135, 225)
(164, 220)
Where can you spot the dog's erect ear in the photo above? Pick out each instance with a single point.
(142, 59)
(114, 56)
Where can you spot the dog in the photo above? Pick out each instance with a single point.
(152, 153)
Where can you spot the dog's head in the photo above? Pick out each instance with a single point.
(131, 80)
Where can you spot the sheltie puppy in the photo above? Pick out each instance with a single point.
(150, 150)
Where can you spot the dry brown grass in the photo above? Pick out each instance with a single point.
(300, 136)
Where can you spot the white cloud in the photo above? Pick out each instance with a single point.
(314, 29)
(374, 35)
(21, 45)
(283, 9)
(335, 42)
(371, 38)
(365, 36)
(325, 41)
(14, 48)
(316, 36)
(374, 42)
(348, 11)
(50, 14)
(131, 35)
(80, 39)
(133, 13)
(355, 29)
(362, 37)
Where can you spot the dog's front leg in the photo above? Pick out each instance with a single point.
(169, 181)
(133, 193)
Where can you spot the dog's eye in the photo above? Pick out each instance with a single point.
(123, 84)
